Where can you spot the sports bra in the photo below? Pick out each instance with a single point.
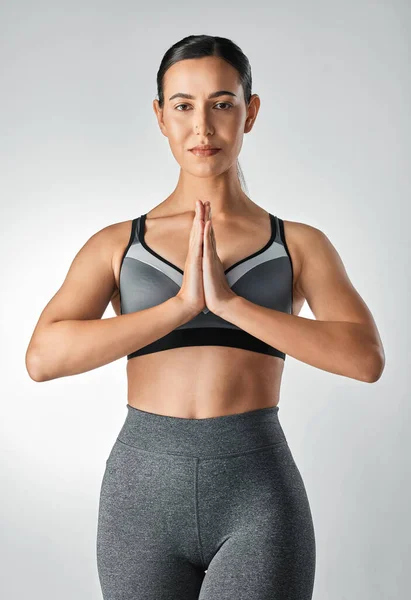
(265, 278)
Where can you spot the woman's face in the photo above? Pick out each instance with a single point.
(219, 121)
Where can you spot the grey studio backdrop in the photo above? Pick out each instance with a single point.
(80, 149)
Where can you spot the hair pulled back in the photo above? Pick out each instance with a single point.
(197, 46)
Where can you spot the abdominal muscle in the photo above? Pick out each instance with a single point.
(199, 382)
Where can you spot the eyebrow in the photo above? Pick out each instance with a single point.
(213, 95)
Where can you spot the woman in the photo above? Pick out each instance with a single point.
(201, 496)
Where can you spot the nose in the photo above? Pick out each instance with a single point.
(202, 126)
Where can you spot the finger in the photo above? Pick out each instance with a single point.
(206, 237)
(201, 207)
(212, 236)
(201, 223)
(196, 213)
(199, 210)
(208, 210)
(194, 225)
(196, 230)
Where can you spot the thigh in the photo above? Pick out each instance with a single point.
(245, 568)
(260, 544)
(146, 528)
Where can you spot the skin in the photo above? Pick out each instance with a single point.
(208, 381)
(241, 380)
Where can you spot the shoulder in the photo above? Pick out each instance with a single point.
(309, 242)
(111, 242)
(113, 238)
(118, 236)
(303, 228)
(303, 240)
(108, 245)
(302, 235)
(111, 235)
(319, 262)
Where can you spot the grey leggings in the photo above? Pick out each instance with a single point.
(207, 509)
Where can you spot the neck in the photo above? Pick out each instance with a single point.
(224, 193)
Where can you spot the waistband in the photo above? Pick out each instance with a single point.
(213, 436)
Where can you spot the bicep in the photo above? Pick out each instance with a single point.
(325, 284)
(88, 285)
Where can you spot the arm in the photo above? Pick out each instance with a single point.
(343, 339)
(71, 337)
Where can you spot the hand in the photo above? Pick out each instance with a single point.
(191, 291)
(216, 289)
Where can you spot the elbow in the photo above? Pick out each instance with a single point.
(33, 368)
(375, 365)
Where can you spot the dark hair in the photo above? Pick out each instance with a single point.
(197, 46)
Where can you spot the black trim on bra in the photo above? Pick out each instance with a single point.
(239, 262)
(130, 241)
(267, 245)
(207, 336)
(153, 252)
(281, 223)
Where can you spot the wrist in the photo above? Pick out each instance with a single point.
(188, 312)
(225, 306)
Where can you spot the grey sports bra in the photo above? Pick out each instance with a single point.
(265, 278)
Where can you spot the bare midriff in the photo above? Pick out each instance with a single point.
(199, 382)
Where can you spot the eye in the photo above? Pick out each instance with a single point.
(226, 103)
(219, 103)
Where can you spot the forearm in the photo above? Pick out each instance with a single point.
(76, 346)
(340, 347)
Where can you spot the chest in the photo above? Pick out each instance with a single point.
(149, 277)
(235, 242)
(238, 254)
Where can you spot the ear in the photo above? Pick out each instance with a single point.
(159, 115)
(252, 112)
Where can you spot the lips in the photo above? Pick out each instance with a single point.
(205, 152)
